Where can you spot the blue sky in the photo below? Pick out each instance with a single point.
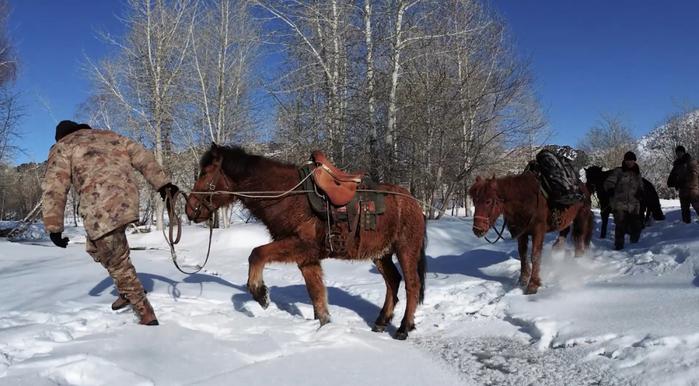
(52, 39)
(638, 59)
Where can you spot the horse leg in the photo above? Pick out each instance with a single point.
(561, 239)
(408, 259)
(589, 228)
(580, 230)
(313, 275)
(537, 246)
(392, 278)
(605, 220)
(287, 250)
(525, 270)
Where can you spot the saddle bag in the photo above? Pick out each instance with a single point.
(558, 178)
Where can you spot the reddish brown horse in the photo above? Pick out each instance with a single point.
(300, 235)
(520, 200)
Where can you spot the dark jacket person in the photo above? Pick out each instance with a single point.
(627, 185)
(685, 178)
(99, 164)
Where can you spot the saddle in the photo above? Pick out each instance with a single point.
(339, 186)
(332, 195)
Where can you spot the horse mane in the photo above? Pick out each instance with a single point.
(595, 176)
(235, 161)
(510, 186)
(516, 186)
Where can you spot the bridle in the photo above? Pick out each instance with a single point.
(492, 207)
(500, 201)
(208, 201)
(175, 223)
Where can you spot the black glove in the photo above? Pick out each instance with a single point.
(58, 240)
(169, 187)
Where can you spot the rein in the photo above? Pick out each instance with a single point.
(500, 236)
(176, 223)
(174, 233)
(504, 223)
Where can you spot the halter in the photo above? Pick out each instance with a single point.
(492, 206)
(175, 223)
(495, 202)
(211, 185)
(504, 224)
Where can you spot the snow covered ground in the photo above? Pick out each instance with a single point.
(628, 317)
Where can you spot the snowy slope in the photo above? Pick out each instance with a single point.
(607, 318)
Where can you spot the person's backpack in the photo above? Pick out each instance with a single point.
(558, 178)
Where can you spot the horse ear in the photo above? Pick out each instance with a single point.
(215, 149)
(493, 177)
(479, 179)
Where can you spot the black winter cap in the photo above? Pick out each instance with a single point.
(629, 156)
(67, 127)
(680, 148)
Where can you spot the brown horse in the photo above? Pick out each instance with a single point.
(299, 234)
(520, 200)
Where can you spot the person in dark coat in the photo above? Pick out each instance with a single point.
(627, 187)
(685, 178)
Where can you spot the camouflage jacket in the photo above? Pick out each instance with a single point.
(99, 165)
(628, 189)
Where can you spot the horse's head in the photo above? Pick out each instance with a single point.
(212, 178)
(593, 177)
(488, 205)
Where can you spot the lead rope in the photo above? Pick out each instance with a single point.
(174, 221)
(500, 236)
(520, 234)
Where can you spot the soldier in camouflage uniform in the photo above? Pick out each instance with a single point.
(627, 185)
(99, 165)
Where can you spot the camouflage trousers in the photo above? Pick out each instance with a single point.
(112, 251)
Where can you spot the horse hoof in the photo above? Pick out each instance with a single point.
(325, 319)
(379, 328)
(531, 290)
(401, 335)
(523, 283)
(261, 295)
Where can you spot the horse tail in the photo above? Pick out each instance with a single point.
(422, 264)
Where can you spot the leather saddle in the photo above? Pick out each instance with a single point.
(340, 187)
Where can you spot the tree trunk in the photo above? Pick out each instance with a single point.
(391, 133)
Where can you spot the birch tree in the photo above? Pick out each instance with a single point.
(10, 111)
(8, 63)
(314, 35)
(607, 141)
(144, 78)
